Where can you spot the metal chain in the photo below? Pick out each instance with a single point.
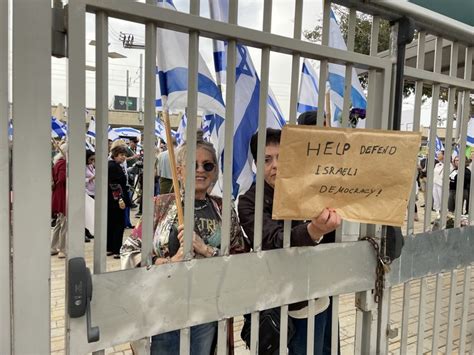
(383, 267)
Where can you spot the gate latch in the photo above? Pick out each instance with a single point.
(80, 295)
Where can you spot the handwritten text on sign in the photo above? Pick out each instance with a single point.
(366, 175)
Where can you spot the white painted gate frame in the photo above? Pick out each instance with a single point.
(291, 278)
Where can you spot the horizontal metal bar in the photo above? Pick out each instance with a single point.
(182, 22)
(425, 19)
(261, 281)
(437, 78)
(433, 252)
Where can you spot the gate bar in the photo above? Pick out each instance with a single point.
(451, 312)
(465, 309)
(437, 313)
(323, 67)
(5, 246)
(32, 199)
(421, 317)
(405, 318)
(101, 141)
(348, 73)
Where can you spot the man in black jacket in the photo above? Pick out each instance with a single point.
(319, 229)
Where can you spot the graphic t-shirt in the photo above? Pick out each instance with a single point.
(207, 225)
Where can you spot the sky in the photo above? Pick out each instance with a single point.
(250, 15)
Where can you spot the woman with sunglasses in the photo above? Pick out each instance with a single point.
(168, 239)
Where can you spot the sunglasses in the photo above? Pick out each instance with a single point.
(206, 166)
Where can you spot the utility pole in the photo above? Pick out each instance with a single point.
(140, 103)
(126, 95)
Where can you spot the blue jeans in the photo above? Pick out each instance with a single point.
(297, 345)
(202, 340)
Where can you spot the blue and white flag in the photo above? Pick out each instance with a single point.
(470, 132)
(91, 128)
(219, 11)
(128, 132)
(89, 146)
(160, 130)
(172, 60)
(58, 128)
(181, 131)
(247, 91)
(112, 135)
(438, 145)
(308, 95)
(336, 77)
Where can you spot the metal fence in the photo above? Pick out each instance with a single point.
(228, 286)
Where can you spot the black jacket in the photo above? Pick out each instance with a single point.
(272, 234)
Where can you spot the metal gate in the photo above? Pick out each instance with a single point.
(228, 286)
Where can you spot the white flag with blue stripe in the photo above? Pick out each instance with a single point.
(247, 90)
(91, 128)
(128, 132)
(58, 128)
(336, 79)
(172, 60)
(308, 94)
(160, 130)
(181, 131)
(470, 132)
(438, 145)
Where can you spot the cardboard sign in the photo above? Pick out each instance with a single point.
(365, 175)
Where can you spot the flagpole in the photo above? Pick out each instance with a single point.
(174, 173)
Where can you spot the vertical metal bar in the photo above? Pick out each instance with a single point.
(462, 148)
(76, 172)
(222, 337)
(366, 333)
(465, 309)
(255, 321)
(405, 318)
(149, 142)
(372, 88)
(310, 333)
(451, 311)
(323, 68)
(191, 113)
(383, 321)
(101, 141)
(437, 311)
(358, 332)
(449, 132)
(5, 247)
(262, 124)
(348, 75)
(295, 66)
(227, 172)
(32, 111)
(421, 318)
(335, 325)
(432, 136)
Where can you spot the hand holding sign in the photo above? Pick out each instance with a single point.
(365, 175)
(326, 222)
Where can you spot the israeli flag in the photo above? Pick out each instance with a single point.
(438, 145)
(181, 132)
(58, 128)
(158, 100)
(91, 128)
(470, 132)
(172, 59)
(128, 132)
(160, 130)
(336, 76)
(219, 11)
(112, 135)
(308, 94)
(89, 146)
(247, 91)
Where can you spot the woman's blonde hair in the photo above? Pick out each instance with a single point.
(200, 144)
